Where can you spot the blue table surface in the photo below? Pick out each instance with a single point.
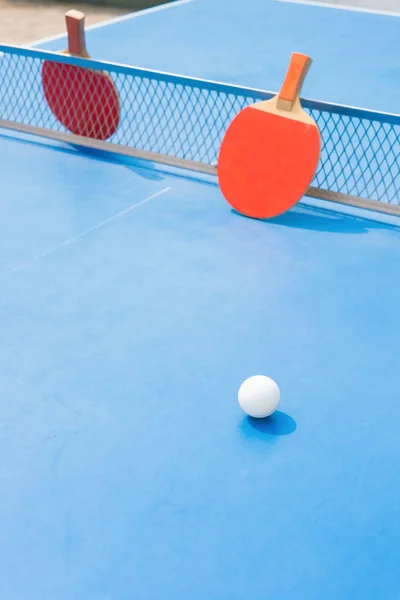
(133, 304)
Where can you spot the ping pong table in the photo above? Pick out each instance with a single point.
(134, 303)
(249, 45)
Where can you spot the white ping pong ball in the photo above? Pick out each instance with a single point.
(259, 396)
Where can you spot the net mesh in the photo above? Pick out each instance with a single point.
(186, 119)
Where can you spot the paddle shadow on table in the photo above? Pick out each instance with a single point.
(321, 219)
(145, 169)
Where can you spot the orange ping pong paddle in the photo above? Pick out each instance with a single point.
(85, 101)
(270, 151)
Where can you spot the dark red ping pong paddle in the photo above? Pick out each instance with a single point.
(270, 151)
(85, 101)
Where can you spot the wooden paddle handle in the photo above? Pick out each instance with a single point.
(75, 21)
(291, 88)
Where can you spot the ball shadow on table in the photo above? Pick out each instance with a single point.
(278, 424)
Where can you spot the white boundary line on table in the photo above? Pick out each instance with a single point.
(114, 20)
(86, 232)
(362, 9)
(175, 3)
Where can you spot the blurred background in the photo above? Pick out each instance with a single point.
(26, 21)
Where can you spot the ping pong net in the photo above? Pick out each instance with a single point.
(180, 121)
